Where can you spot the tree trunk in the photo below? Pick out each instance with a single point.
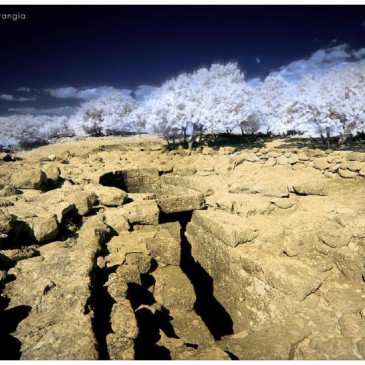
(328, 138)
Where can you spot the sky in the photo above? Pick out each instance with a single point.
(54, 57)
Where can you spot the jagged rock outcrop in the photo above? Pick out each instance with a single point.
(118, 250)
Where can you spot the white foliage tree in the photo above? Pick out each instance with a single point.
(104, 116)
(210, 100)
(29, 130)
(274, 101)
(331, 104)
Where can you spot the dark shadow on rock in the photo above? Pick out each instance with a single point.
(114, 179)
(102, 304)
(145, 346)
(213, 314)
(149, 323)
(9, 321)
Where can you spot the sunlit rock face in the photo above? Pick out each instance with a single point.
(118, 249)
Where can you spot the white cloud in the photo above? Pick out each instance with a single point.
(22, 110)
(8, 97)
(258, 60)
(24, 89)
(85, 94)
(320, 61)
(62, 111)
(359, 54)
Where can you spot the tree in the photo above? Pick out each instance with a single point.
(274, 101)
(105, 116)
(32, 130)
(331, 104)
(210, 101)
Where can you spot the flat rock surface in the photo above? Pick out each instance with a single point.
(114, 248)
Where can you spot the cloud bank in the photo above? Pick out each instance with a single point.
(320, 61)
(9, 97)
(85, 94)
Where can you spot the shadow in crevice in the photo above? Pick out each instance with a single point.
(213, 314)
(102, 304)
(149, 322)
(232, 356)
(9, 321)
(145, 345)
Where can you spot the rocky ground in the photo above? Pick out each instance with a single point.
(114, 248)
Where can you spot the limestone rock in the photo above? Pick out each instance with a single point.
(226, 150)
(330, 348)
(354, 166)
(173, 289)
(282, 160)
(266, 188)
(82, 200)
(361, 347)
(190, 328)
(123, 320)
(350, 263)
(293, 159)
(229, 228)
(185, 171)
(115, 219)
(117, 283)
(347, 174)
(53, 173)
(165, 249)
(275, 342)
(141, 212)
(208, 151)
(181, 203)
(29, 179)
(5, 222)
(21, 253)
(321, 164)
(108, 196)
(120, 348)
(129, 248)
(309, 187)
(58, 326)
(334, 237)
(6, 157)
(45, 228)
(356, 156)
(303, 157)
(287, 275)
(270, 161)
(9, 190)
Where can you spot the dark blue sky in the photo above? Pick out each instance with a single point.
(125, 46)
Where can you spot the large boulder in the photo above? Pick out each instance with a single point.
(45, 228)
(108, 196)
(59, 326)
(309, 187)
(115, 219)
(141, 212)
(229, 228)
(33, 178)
(180, 201)
(164, 248)
(173, 290)
(53, 174)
